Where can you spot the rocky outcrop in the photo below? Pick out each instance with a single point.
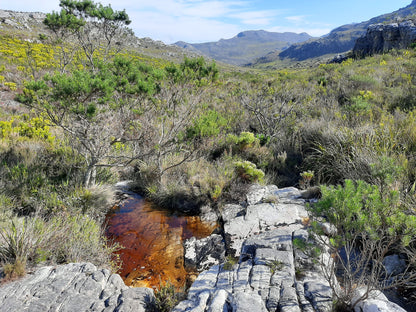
(271, 274)
(21, 20)
(381, 38)
(74, 287)
(339, 40)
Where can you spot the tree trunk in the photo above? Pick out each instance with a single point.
(90, 175)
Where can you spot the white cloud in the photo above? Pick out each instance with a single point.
(296, 19)
(256, 17)
(170, 29)
(194, 20)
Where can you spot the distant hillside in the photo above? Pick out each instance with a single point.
(247, 46)
(339, 40)
(29, 25)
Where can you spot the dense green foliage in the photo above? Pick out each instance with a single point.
(369, 224)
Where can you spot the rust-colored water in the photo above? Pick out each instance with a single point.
(152, 241)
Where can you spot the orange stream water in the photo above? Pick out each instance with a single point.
(152, 241)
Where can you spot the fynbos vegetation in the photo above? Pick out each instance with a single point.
(93, 112)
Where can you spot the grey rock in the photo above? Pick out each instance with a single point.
(376, 302)
(288, 297)
(260, 277)
(74, 287)
(230, 212)
(248, 302)
(328, 229)
(381, 38)
(219, 301)
(208, 215)
(319, 293)
(206, 280)
(394, 265)
(255, 194)
(288, 193)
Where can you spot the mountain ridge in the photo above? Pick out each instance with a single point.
(246, 46)
(340, 39)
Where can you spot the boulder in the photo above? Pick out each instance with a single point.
(376, 302)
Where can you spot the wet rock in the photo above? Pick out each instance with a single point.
(74, 287)
(201, 254)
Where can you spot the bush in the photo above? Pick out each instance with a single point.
(248, 171)
(62, 239)
(369, 225)
(167, 297)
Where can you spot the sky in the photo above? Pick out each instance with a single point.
(197, 21)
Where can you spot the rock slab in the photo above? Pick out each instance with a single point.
(260, 234)
(74, 287)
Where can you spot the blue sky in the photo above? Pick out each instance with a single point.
(210, 20)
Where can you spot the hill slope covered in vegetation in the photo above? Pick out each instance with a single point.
(189, 133)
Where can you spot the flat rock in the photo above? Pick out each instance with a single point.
(261, 235)
(74, 287)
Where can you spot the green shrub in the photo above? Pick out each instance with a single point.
(369, 224)
(208, 124)
(229, 263)
(167, 297)
(248, 171)
(20, 238)
(244, 141)
(14, 270)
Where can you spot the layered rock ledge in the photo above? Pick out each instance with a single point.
(74, 287)
(271, 275)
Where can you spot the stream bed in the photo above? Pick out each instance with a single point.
(152, 241)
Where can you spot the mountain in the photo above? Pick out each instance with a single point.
(246, 47)
(339, 40)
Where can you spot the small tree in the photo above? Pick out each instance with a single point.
(369, 225)
(172, 111)
(97, 109)
(271, 109)
(93, 27)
